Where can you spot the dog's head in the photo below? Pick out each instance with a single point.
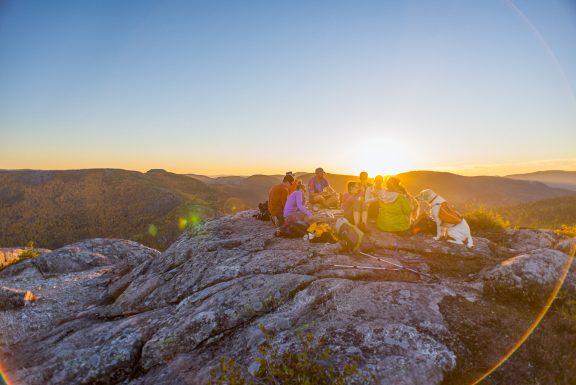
(426, 195)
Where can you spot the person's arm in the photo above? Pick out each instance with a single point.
(369, 194)
(300, 205)
(328, 187)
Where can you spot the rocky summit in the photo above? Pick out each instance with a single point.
(411, 311)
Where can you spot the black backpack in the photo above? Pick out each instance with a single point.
(293, 229)
(264, 214)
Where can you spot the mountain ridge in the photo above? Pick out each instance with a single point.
(554, 178)
(56, 207)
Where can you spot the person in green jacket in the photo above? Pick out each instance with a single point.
(395, 208)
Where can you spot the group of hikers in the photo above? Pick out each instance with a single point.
(389, 204)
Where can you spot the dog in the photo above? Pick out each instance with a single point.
(459, 233)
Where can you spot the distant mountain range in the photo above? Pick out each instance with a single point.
(54, 208)
(552, 178)
(463, 191)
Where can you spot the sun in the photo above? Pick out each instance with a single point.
(382, 156)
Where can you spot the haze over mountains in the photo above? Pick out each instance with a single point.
(552, 178)
(54, 208)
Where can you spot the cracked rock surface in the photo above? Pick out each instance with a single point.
(116, 312)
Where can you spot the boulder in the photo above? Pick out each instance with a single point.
(531, 276)
(524, 240)
(84, 255)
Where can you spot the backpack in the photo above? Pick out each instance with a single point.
(351, 235)
(295, 229)
(264, 214)
(447, 214)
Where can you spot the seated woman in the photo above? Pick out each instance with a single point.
(294, 209)
(354, 207)
(395, 208)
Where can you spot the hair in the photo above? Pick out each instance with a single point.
(288, 178)
(364, 173)
(393, 184)
(351, 185)
(378, 179)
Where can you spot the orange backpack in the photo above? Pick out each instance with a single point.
(447, 214)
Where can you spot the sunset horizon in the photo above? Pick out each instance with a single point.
(381, 87)
(465, 170)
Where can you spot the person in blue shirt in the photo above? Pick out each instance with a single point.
(320, 192)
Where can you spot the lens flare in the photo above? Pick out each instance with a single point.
(194, 218)
(3, 378)
(234, 205)
(541, 314)
(152, 230)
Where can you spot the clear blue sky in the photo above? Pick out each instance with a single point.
(224, 87)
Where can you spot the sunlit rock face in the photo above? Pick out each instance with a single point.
(116, 312)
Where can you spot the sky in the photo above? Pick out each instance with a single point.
(243, 87)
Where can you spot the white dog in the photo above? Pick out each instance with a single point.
(459, 233)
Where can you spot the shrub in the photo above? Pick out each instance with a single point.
(30, 252)
(485, 219)
(569, 231)
(310, 364)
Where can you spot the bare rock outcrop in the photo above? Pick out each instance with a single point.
(532, 275)
(116, 312)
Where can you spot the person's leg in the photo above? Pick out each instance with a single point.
(364, 213)
(364, 217)
(356, 216)
(357, 209)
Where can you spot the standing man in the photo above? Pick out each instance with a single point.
(320, 191)
(277, 199)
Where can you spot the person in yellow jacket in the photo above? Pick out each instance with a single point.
(395, 208)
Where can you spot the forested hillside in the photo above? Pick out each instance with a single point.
(548, 213)
(54, 208)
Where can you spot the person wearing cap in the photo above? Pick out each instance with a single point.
(277, 199)
(320, 191)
